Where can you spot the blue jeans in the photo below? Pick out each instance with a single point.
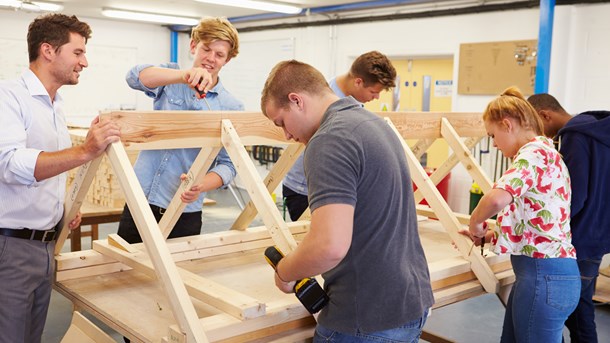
(545, 292)
(409, 332)
(581, 322)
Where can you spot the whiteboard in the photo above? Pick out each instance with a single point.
(101, 86)
(245, 75)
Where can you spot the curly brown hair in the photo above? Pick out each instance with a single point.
(374, 67)
(54, 29)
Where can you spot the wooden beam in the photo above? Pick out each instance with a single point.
(195, 175)
(82, 330)
(258, 193)
(439, 174)
(75, 197)
(143, 130)
(463, 154)
(451, 224)
(227, 300)
(418, 125)
(422, 145)
(182, 307)
(272, 180)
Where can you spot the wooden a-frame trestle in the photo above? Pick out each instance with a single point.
(117, 277)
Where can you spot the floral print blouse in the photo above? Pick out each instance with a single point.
(537, 222)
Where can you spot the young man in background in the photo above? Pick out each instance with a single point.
(370, 74)
(584, 143)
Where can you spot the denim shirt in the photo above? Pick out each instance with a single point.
(159, 170)
(295, 178)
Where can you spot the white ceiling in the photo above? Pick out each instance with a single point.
(187, 8)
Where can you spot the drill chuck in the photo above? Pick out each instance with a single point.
(307, 290)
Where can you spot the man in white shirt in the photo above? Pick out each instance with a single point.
(35, 153)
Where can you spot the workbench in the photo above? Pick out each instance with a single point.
(218, 287)
(135, 304)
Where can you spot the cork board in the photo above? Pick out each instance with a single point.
(489, 68)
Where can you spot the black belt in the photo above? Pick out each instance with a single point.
(34, 235)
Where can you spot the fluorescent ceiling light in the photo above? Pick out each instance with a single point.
(33, 6)
(257, 5)
(149, 17)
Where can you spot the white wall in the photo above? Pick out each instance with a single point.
(146, 43)
(579, 68)
(578, 77)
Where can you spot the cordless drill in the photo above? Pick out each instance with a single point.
(307, 290)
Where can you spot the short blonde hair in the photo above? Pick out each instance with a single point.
(512, 104)
(211, 29)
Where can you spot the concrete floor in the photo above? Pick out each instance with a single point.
(474, 320)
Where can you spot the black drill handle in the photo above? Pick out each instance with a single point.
(273, 256)
(308, 291)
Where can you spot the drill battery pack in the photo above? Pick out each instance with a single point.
(311, 295)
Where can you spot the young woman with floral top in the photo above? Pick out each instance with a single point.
(532, 200)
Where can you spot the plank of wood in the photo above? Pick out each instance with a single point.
(271, 181)
(447, 217)
(195, 175)
(427, 125)
(221, 326)
(82, 330)
(212, 293)
(155, 244)
(439, 174)
(141, 130)
(422, 145)
(463, 154)
(74, 199)
(118, 242)
(258, 192)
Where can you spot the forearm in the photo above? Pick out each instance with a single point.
(306, 261)
(154, 77)
(324, 247)
(211, 181)
(50, 164)
(489, 205)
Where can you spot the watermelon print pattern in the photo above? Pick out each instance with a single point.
(537, 222)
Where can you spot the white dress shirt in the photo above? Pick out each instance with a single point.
(29, 124)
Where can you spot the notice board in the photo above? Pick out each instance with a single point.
(489, 68)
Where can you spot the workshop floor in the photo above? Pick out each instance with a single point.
(474, 320)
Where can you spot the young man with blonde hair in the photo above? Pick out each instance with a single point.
(357, 248)
(214, 42)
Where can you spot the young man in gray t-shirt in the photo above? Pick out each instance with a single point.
(363, 237)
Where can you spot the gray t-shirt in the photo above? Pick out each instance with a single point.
(383, 282)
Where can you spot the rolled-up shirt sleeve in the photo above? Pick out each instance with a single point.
(17, 163)
(133, 80)
(224, 167)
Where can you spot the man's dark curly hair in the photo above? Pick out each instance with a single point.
(54, 29)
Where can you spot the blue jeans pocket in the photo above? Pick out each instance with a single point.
(563, 291)
(323, 334)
